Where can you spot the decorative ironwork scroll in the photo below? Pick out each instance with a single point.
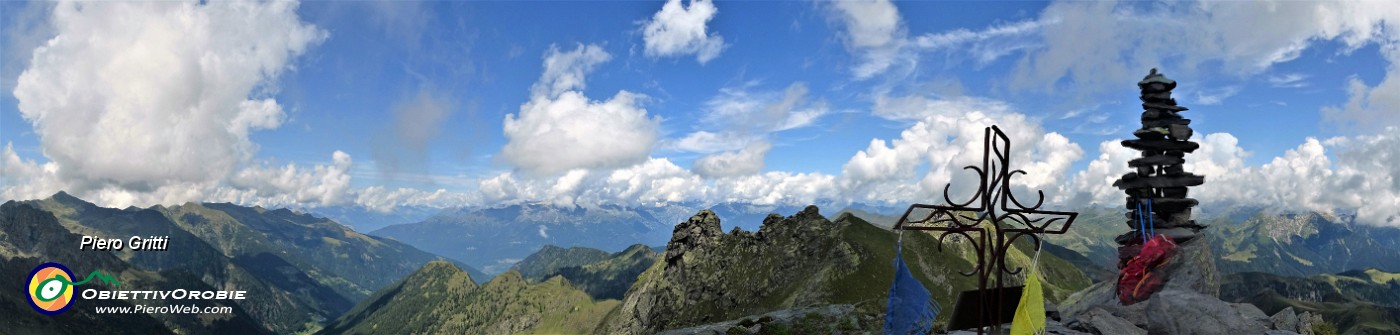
(991, 221)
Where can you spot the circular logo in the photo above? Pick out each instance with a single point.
(50, 288)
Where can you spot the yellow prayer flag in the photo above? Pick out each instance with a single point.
(1030, 313)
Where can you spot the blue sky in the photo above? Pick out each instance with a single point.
(382, 104)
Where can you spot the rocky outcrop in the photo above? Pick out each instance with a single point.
(708, 276)
(1191, 270)
(1188, 304)
(1306, 322)
(1174, 310)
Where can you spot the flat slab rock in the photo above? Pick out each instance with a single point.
(1171, 311)
(1052, 327)
(786, 316)
(1099, 321)
(1161, 145)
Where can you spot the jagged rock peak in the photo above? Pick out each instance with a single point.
(704, 223)
(699, 232)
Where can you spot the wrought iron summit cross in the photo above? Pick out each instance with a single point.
(997, 219)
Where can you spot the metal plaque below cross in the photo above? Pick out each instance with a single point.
(970, 303)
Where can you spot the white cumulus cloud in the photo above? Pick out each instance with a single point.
(384, 200)
(1361, 176)
(656, 180)
(1093, 185)
(26, 179)
(290, 184)
(566, 70)
(788, 188)
(678, 30)
(145, 102)
(560, 129)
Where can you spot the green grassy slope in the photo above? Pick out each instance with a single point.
(609, 278)
(546, 262)
(440, 298)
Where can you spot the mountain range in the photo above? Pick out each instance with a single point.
(1357, 301)
(553, 291)
(704, 275)
(594, 270)
(1255, 240)
(30, 237)
(299, 270)
(1303, 244)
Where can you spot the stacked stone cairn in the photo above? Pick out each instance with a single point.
(1159, 177)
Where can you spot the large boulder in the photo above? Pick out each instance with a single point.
(1099, 295)
(1193, 268)
(1099, 321)
(1172, 311)
(1190, 269)
(1285, 319)
(1175, 311)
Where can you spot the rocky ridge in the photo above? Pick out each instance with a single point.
(706, 276)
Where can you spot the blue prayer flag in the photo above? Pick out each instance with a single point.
(911, 308)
